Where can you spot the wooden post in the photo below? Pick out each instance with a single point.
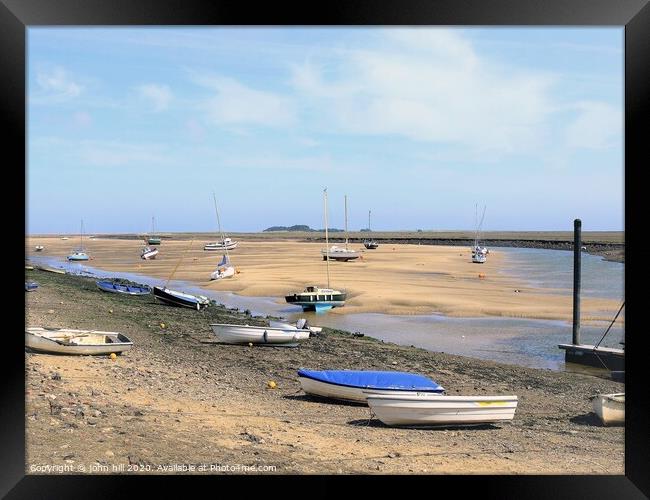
(577, 251)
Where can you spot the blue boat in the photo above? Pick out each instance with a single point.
(113, 287)
(30, 286)
(356, 385)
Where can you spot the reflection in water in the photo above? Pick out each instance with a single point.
(525, 342)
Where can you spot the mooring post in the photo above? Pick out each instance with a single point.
(577, 249)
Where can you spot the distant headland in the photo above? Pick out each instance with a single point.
(299, 227)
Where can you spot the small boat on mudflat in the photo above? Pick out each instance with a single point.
(176, 298)
(49, 269)
(30, 286)
(39, 248)
(266, 335)
(317, 299)
(115, 287)
(301, 324)
(78, 342)
(223, 244)
(439, 409)
(610, 408)
(357, 385)
(148, 253)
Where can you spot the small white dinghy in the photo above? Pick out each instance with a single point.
(301, 324)
(80, 342)
(245, 334)
(610, 408)
(433, 409)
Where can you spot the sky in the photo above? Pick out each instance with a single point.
(417, 125)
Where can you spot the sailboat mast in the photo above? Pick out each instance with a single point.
(223, 237)
(153, 227)
(346, 221)
(82, 236)
(327, 254)
(368, 220)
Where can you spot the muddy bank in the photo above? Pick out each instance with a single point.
(178, 400)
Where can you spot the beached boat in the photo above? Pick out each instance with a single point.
(479, 253)
(79, 254)
(223, 244)
(357, 385)
(610, 408)
(432, 409)
(30, 286)
(370, 243)
(39, 248)
(314, 298)
(80, 342)
(148, 253)
(176, 298)
(224, 269)
(153, 239)
(114, 287)
(339, 253)
(301, 324)
(245, 334)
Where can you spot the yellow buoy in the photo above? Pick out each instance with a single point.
(113, 356)
(162, 325)
(110, 311)
(271, 384)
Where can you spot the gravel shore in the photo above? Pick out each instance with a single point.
(179, 403)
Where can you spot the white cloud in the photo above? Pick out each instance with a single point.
(56, 84)
(597, 126)
(428, 85)
(235, 103)
(158, 96)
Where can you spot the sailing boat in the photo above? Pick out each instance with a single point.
(79, 254)
(318, 299)
(153, 239)
(224, 243)
(176, 298)
(336, 252)
(370, 243)
(224, 268)
(479, 254)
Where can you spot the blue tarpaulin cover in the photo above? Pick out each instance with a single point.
(109, 285)
(374, 379)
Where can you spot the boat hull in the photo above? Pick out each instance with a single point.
(108, 286)
(153, 241)
(76, 342)
(223, 272)
(245, 334)
(77, 257)
(212, 247)
(175, 298)
(370, 245)
(345, 393)
(149, 255)
(30, 286)
(425, 410)
(316, 302)
(610, 408)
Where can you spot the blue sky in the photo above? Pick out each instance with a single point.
(416, 124)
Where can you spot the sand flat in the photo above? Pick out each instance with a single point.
(393, 279)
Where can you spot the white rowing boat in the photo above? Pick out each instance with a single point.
(610, 408)
(79, 342)
(433, 409)
(245, 334)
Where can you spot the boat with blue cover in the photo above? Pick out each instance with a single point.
(129, 289)
(357, 385)
(30, 286)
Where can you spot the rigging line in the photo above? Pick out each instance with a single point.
(178, 264)
(610, 325)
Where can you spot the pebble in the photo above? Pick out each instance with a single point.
(109, 453)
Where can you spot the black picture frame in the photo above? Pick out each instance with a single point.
(16, 16)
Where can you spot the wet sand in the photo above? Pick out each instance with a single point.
(393, 279)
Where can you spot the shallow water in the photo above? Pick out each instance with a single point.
(524, 342)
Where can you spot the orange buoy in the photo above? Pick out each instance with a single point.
(481, 275)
